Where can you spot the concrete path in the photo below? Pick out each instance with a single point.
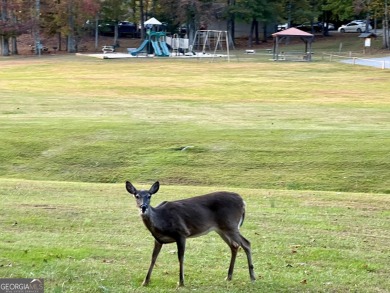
(383, 63)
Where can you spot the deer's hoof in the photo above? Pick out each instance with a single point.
(179, 285)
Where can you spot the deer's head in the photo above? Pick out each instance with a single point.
(142, 197)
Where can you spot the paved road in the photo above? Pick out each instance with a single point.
(383, 62)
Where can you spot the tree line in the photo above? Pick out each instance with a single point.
(68, 19)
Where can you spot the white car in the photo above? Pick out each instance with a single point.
(282, 27)
(354, 27)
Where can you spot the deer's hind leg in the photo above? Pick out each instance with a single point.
(234, 249)
(235, 240)
(246, 245)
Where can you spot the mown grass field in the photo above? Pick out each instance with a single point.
(306, 144)
(84, 237)
(256, 125)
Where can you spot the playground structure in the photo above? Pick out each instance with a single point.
(180, 46)
(155, 43)
(210, 43)
(212, 40)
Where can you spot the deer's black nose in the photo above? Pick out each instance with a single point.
(144, 208)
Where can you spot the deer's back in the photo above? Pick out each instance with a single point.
(216, 203)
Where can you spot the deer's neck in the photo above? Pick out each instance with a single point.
(149, 219)
(156, 226)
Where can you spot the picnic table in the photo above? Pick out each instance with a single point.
(43, 49)
(108, 49)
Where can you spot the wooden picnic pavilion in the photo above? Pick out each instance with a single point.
(307, 38)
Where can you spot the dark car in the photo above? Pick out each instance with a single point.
(308, 27)
(125, 28)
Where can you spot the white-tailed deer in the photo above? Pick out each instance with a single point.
(175, 221)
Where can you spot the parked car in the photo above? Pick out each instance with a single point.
(282, 27)
(125, 28)
(354, 27)
(308, 27)
(331, 26)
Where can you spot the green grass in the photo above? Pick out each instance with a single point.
(306, 144)
(84, 237)
(255, 125)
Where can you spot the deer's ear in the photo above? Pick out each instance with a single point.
(154, 188)
(130, 188)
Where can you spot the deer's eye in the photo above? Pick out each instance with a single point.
(137, 196)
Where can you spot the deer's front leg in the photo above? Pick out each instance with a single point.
(156, 251)
(181, 247)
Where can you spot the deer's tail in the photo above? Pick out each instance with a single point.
(242, 216)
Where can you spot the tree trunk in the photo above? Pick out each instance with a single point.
(37, 39)
(142, 18)
(264, 32)
(231, 25)
(385, 34)
(14, 46)
(96, 32)
(72, 48)
(250, 38)
(116, 34)
(325, 28)
(59, 40)
(257, 41)
(4, 39)
(4, 46)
